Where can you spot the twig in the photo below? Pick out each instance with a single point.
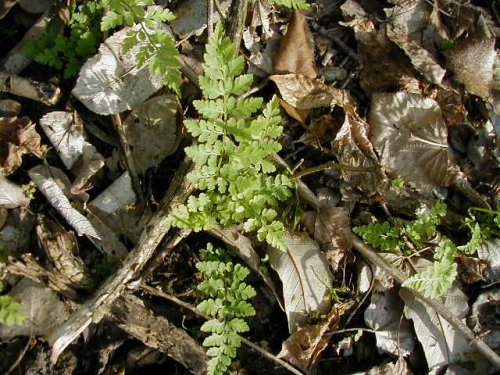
(210, 19)
(186, 305)
(370, 255)
(332, 164)
(20, 356)
(128, 158)
(114, 287)
(45, 93)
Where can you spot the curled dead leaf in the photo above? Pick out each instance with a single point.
(18, 137)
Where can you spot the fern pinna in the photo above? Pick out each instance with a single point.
(238, 182)
(227, 304)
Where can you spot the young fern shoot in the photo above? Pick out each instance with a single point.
(146, 21)
(237, 180)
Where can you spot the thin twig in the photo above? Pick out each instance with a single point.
(236, 21)
(332, 164)
(190, 307)
(210, 20)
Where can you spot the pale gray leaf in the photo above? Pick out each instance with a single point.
(305, 275)
(11, 194)
(118, 195)
(55, 195)
(490, 252)
(110, 82)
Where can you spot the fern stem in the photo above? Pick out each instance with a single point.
(332, 164)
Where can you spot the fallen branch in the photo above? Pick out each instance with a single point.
(116, 285)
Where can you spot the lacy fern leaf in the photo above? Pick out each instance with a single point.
(9, 310)
(227, 304)
(233, 170)
(295, 4)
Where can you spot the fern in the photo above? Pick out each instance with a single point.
(424, 228)
(382, 236)
(227, 304)
(438, 278)
(238, 183)
(69, 51)
(296, 4)
(146, 20)
(9, 310)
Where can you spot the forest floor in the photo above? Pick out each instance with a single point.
(391, 133)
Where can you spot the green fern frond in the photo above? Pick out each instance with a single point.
(233, 152)
(228, 306)
(9, 310)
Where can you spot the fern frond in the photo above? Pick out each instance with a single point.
(9, 311)
(295, 4)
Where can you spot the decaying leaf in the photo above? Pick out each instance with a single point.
(409, 20)
(306, 278)
(192, 17)
(42, 307)
(353, 148)
(11, 194)
(442, 344)
(472, 60)
(484, 317)
(18, 136)
(330, 227)
(153, 131)
(400, 367)
(393, 333)
(55, 195)
(61, 248)
(409, 134)
(110, 82)
(17, 230)
(303, 92)
(303, 348)
(385, 66)
(322, 131)
(296, 53)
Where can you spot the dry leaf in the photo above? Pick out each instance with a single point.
(385, 67)
(110, 82)
(393, 333)
(321, 131)
(472, 60)
(18, 137)
(353, 148)
(55, 195)
(42, 307)
(192, 17)
(484, 318)
(305, 93)
(409, 133)
(17, 231)
(303, 348)
(305, 275)
(332, 231)
(398, 368)
(61, 248)
(153, 131)
(489, 251)
(296, 53)
(11, 194)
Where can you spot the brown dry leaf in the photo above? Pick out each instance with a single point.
(330, 227)
(304, 347)
(306, 93)
(11, 194)
(409, 20)
(353, 148)
(472, 60)
(470, 269)
(398, 368)
(18, 137)
(385, 67)
(296, 53)
(61, 247)
(410, 136)
(153, 131)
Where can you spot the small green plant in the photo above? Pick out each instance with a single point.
(68, 52)
(226, 303)
(9, 309)
(238, 181)
(146, 22)
(405, 238)
(295, 4)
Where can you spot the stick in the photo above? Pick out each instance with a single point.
(114, 287)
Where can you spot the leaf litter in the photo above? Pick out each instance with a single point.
(388, 107)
